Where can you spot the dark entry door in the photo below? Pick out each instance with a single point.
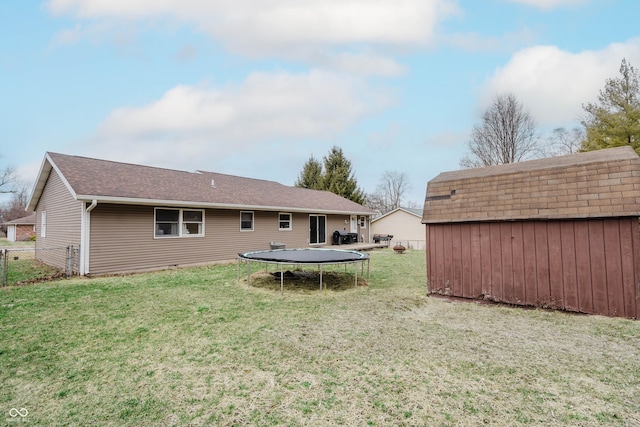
(317, 229)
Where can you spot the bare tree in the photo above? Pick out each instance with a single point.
(390, 192)
(8, 177)
(564, 141)
(507, 135)
(16, 207)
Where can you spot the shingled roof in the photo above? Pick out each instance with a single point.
(27, 220)
(597, 184)
(113, 182)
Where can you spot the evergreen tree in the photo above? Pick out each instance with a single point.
(615, 120)
(311, 175)
(338, 177)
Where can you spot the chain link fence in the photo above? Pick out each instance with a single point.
(27, 265)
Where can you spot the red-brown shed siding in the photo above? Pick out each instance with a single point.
(589, 266)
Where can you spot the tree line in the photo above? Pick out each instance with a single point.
(507, 132)
(335, 174)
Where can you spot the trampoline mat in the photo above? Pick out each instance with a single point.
(306, 256)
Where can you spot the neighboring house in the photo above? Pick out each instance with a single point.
(560, 232)
(21, 229)
(127, 217)
(404, 224)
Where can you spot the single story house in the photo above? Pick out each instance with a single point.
(21, 229)
(126, 217)
(559, 232)
(404, 224)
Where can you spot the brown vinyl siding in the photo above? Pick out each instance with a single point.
(122, 238)
(64, 215)
(589, 266)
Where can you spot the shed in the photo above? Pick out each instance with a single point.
(21, 229)
(560, 232)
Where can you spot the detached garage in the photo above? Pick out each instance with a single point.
(560, 233)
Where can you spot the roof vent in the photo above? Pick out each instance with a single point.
(213, 183)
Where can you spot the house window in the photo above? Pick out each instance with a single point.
(43, 224)
(179, 222)
(246, 221)
(363, 222)
(284, 221)
(192, 222)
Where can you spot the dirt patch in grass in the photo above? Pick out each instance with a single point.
(300, 281)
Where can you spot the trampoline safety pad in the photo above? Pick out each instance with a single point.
(305, 256)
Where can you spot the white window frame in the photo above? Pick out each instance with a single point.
(182, 225)
(43, 224)
(253, 217)
(363, 222)
(280, 221)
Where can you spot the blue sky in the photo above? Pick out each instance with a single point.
(254, 88)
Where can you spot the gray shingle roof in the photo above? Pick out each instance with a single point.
(116, 182)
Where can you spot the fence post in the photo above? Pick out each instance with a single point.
(68, 262)
(3, 267)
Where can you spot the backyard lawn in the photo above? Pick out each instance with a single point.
(195, 347)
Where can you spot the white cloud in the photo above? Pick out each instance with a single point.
(554, 84)
(283, 28)
(549, 4)
(362, 64)
(477, 42)
(215, 122)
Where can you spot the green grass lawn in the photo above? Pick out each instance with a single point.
(195, 347)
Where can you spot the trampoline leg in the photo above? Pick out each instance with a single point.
(281, 280)
(248, 274)
(356, 271)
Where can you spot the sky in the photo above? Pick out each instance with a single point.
(255, 88)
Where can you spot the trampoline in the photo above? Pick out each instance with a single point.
(305, 256)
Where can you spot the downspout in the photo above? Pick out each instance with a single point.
(86, 238)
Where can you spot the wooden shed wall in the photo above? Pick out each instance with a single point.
(589, 266)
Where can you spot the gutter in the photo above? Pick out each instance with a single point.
(86, 238)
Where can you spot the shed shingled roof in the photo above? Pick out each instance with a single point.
(27, 220)
(597, 184)
(114, 182)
